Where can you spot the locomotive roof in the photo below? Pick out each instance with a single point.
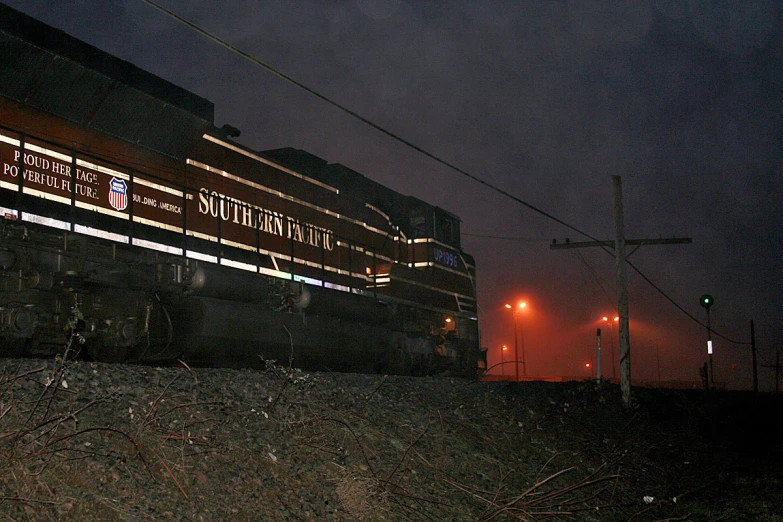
(353, 184)
(50, 70)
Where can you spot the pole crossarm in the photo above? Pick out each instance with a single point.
(610, 243)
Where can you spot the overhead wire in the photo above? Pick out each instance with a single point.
(672, 301)
(507, 238)
(361, 118)
(665, 296)
(413, 146)
(602, 283)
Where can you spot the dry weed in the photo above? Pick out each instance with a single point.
(362, 497)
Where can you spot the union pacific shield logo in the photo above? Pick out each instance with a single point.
(118, 194)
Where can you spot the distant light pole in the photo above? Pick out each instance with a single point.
(598, 355)
(611, 344)
(516, 340)
(707, 301)
(503, 359)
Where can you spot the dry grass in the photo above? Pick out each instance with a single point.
(363, 497)
(175, 443)
(46, 448)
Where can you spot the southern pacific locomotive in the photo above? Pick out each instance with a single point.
(130, 219)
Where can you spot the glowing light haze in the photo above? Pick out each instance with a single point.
(545, 100)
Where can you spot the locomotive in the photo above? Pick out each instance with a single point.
(132, 223)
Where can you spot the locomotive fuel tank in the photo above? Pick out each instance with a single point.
(247, 334)
(221, 283)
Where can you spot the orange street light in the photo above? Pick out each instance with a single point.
(518, 308)
(611, 343)
(503, 359)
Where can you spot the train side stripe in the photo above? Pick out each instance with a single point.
(268, 162)
(262, 188)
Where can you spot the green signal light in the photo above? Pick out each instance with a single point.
(706, 300)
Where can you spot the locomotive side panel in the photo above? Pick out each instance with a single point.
(215, 221)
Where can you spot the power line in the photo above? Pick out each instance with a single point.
(508, 238)
(415, 147)
(660, 291)
(362, 118)
(601, 282)
(683, 310)
(605, 245)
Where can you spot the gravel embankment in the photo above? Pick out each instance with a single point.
(93, 442)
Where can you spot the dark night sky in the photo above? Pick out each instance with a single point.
(547, 101)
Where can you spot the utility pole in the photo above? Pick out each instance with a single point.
(753, 351)
(598, 356)
(621, 276)
(777, 371)
(516, 348)
(706, 301)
